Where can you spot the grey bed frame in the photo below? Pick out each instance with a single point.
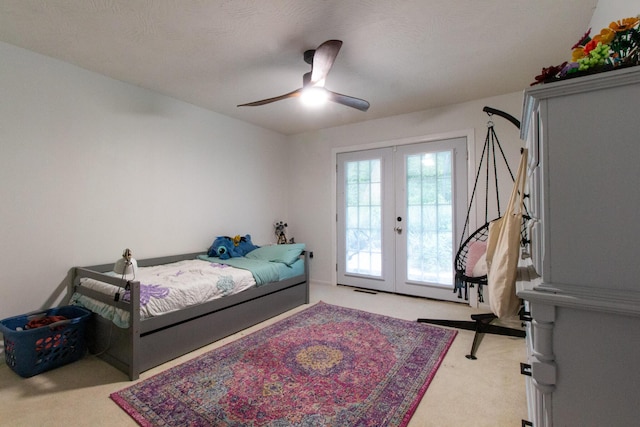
(147, 343)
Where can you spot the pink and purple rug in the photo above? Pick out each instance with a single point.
(323, 366)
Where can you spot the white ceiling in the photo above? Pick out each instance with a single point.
(400, 55)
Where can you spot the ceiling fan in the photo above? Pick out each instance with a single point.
(321, 61)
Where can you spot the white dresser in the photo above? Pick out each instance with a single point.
(583, 136)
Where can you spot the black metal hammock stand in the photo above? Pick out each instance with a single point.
(464, 278)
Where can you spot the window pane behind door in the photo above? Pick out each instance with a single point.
(429, 218)
(363, 218)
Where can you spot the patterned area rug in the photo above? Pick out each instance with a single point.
(323, 366)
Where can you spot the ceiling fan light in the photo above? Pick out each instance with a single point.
(314, 96)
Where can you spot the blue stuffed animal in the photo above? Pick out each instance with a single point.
(222, 247)
(244, 245)
(225, 247)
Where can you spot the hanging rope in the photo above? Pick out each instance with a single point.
(488, 150)
(464, 277)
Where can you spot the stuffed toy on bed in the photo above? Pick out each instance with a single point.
(244, 245)
(225, 247)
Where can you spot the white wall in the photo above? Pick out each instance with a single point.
(612, 10)
(312, 201)
(90, 165)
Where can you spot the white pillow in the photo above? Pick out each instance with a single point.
(480, 269)
(476, 251)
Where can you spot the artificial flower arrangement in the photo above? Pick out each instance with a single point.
(617, 45)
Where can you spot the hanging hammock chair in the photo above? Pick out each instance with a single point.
(469, 263)
(469, 259)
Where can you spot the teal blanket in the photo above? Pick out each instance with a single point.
(263, 271)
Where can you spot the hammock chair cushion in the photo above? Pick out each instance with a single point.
(471, 255)
(481, 268)
(475, 258)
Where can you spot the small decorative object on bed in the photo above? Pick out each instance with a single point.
(179, 303)
(280, 226)
(126, 265)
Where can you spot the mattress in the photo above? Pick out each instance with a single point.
(171, 287)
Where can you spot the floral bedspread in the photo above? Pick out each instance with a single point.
(171, 287)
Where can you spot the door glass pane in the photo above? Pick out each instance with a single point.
(363, 218)
(429, 217)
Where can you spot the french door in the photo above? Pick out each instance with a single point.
(400, 213)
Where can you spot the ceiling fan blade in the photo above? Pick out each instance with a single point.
(349, 101)
(323, 59)
(293, 94)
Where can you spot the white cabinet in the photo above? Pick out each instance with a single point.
(583, 136)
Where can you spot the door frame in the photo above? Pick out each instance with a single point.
(469, 134)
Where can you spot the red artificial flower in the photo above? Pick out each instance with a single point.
(590, 46)
(549, 73)
(583, 40)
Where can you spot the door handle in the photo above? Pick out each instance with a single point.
(397, 230)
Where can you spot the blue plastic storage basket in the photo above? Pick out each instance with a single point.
(32, 351)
